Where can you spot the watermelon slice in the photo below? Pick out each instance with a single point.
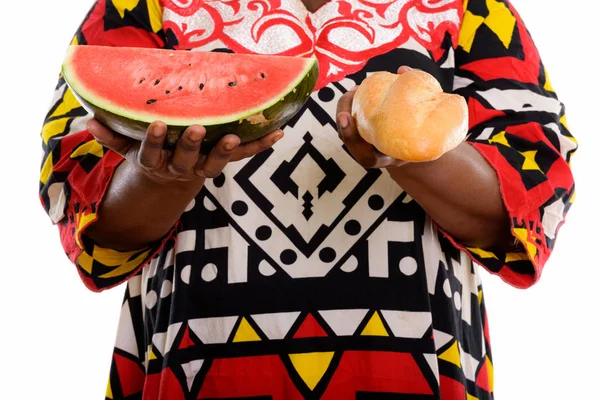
(247, 95)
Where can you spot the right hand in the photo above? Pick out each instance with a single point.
(185, 163)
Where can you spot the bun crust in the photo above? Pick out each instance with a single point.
(408, 116)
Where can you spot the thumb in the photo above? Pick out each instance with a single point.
(108, 138)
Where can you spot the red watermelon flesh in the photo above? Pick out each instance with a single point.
(129, 88)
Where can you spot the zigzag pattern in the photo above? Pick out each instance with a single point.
(243, 301)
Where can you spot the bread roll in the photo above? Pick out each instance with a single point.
(408, 116)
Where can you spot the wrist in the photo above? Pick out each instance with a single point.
(441, 164)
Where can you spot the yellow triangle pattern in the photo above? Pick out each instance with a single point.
(500, 21)
(111, 258)
(109, 394)
(127, 267)
(490, 368)
(480, 296)
(82, 221)
(75, 41)
(452, 355)
(46, 169)
(548, 85)
(91, 147)
(311, 366)
(122, 5)
(529, 164)
(53, 128)
(151, 355)
(482, 253)
(375, 327)
(85, 262)
(155, 13)
(522, 234)
(469, 397)
(245, 333)
(68, 103)
(515, 257)
(500, 138)
(470, 24)
(563, 121)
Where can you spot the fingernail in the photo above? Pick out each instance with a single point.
(354, 88)
(343, 121)
(195, 135)
(156, 132)
(279, 136)
(230, 146)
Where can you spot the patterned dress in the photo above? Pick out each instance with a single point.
(298, 274)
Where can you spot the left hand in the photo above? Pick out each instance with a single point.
(363, 152)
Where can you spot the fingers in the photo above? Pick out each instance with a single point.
(187, 160)
(256, 146)
(150, 155)
(187, 151)
(228, 149)
(345, 102)
(404, 69)
(218, 157)
(363, 152)
(347, 130)
(345, 123)
(107, 138)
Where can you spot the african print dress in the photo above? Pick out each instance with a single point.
(298, 274)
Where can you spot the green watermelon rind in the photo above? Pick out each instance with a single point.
(276, 112)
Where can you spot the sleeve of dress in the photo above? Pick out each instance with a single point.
(76, 170)
(518, 124)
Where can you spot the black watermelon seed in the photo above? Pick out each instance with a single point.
(168, 91)
(180, 88)
(142, 80)
(262, 75)
(201, 86)
(151, 101)
(157, 82)
(189, 65)
(232, 83)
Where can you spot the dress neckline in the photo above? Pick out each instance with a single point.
(316, 10)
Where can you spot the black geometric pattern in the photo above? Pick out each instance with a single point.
(297, 269)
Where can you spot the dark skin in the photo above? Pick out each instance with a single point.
(152, 187)
(459, 190)
(313, 5)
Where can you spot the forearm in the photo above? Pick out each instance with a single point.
(460, 192)
(137, 210)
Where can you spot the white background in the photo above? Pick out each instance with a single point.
(56, 337)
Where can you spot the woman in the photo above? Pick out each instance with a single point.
(311, 265)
